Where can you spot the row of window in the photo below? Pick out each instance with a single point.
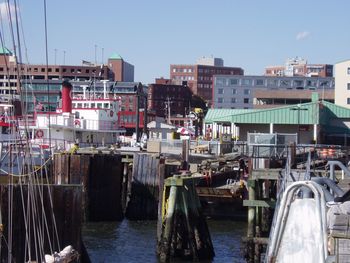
(92, 105)
(217, 71)
(184, 70)
(72, 70)
(233, 100)
(234, 91)
(274, 82)
(184, 77)
(204, 86)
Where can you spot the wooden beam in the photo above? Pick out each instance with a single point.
(259, 203)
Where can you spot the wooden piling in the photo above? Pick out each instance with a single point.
(184, 231)
(101, 176)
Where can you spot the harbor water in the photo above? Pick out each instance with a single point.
(135, 241)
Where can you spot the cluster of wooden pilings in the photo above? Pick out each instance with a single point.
(182, 229)
(108, 187)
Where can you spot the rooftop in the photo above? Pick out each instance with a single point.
(115, 56)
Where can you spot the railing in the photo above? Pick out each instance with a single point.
(64, 121)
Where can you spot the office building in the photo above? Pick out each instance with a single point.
(342, 83)
(299, 67)
(247, 92)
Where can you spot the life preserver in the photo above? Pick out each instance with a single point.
(77, 123)
(111, 113)
(39, 134)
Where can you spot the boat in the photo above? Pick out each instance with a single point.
(83, 119)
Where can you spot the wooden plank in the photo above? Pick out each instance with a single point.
(75, 169)
(270, 174)
(259, 203)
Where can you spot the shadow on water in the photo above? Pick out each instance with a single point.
(135, 241)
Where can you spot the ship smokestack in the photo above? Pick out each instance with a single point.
(66, 96)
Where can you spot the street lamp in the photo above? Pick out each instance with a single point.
(298, 108)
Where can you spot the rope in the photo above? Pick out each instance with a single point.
(27, 174)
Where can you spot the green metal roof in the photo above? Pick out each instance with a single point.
(293, 114)
(5, 51)
(306, 113)
(115, 56)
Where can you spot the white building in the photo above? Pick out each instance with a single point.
(342, 83)
(210, 61)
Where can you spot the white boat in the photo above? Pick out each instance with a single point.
(88, 121)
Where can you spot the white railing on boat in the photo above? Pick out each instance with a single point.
(43, 122)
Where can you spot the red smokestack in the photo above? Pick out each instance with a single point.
(66, 97)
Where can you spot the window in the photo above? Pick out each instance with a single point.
(220, 100)
(57, 70)
(92, 105)
(234, 91)
(99, 105)
(272, 82)
(79, 105)
(233, 100)
(246, 100)
(246, 82)
(72, 70)
(348, 86)
(348, 100)
(234, 81)
(298, 83)
(246, 92)
(220, 91)
(259, 82)
(348, 71)
(284, 83)
(311, 83)
(220, 82)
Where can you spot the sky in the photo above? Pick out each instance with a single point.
(153, 34)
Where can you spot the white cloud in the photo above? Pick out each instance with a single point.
(4, 11)
(302, 35)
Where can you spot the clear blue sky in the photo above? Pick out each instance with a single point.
(153, 34)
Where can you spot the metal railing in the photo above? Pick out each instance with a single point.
(59, 120)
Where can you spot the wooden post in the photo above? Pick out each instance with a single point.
(184, 231)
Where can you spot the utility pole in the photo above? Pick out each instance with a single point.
(167, 106)
(95, 54)
(102, 55)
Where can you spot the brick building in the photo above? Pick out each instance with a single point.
(164, 94)
(116, 70)
(199, 76)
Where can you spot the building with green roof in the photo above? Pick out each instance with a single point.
(5, 51)
(317, 121)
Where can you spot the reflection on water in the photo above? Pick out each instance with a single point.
(135, 241)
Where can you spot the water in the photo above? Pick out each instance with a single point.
(135, 241)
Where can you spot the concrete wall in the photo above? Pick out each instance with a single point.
(342, 79)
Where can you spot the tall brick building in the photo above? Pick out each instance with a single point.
(199, 76)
